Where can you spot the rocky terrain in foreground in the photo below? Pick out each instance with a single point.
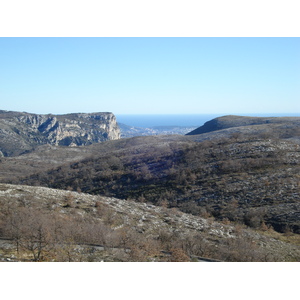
(71, 226)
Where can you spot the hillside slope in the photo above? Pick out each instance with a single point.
(246, 177)
(232, 121)
(250, 180)
(41, 224)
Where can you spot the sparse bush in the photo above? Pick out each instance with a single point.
(178, 255)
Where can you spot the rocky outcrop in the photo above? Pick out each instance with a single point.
(21, 132)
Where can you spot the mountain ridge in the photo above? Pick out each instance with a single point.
(231, 121)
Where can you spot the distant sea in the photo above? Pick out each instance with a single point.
(182, 120)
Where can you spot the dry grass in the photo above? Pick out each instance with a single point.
(131, 231)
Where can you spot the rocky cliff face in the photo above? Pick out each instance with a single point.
(21, 132)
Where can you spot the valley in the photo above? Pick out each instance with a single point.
(234, 174)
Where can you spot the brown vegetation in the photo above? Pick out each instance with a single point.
(39, 226)
(241, 176)
(244, 178)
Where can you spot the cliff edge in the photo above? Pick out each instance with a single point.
(21, 132)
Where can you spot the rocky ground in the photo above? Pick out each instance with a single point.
(129, 227)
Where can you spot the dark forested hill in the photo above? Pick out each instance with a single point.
(232, 121)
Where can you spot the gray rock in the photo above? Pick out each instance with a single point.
(21, 132)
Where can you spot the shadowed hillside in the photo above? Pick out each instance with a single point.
(244, 178)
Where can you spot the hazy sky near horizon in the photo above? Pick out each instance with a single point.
(150, 75)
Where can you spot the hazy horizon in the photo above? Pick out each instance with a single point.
(181, 120)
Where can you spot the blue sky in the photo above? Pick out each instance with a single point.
(150, 75)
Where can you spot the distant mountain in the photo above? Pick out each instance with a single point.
(232, 121)
(21, 132)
